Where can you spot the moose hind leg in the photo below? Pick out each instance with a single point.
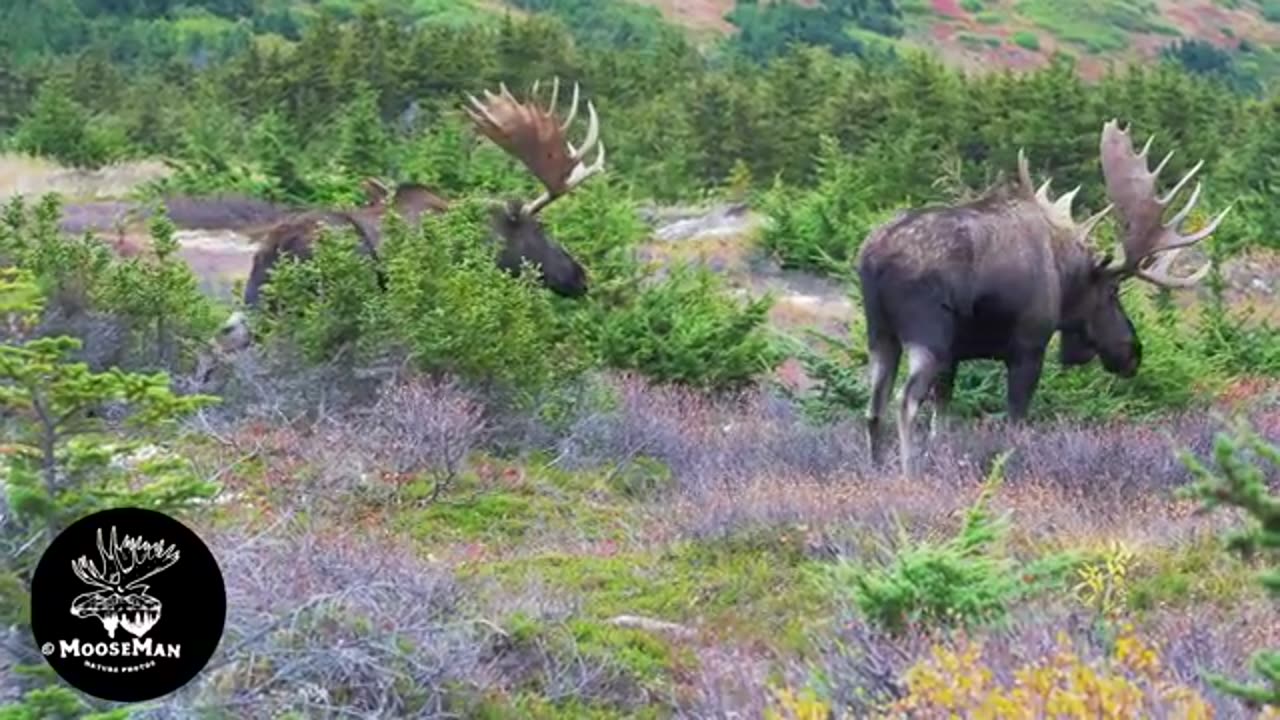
(923, 366)
(883, 371)
(943, 389)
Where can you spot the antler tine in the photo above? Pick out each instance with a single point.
(1063, 203)
(1042, 192)
(1092, 221)
(1024, 171)
(481, 110)
(573, 110)
(1177, 188)
(580, 173)
(593, 134)
(1158, 273)
(555, 94)
(1177, 219)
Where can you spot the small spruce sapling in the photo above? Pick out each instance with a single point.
(62, 462)
(1239, 482)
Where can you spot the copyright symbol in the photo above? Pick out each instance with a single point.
(47, 648)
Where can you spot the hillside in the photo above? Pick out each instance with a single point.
(1233, 37)
(1022, 34)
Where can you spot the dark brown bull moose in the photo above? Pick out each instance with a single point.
(534, 136)
(997, 277)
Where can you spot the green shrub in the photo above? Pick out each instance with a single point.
(823, 228)
(1027, 40)
(1271, 10)
(155, 295)
(324, 304)
(69, 271)
(964, 581)
(686, 329)
(455, 311)
(61, 128)
(60, 463)
(838, 374)
(160, 299)
(1237, 481)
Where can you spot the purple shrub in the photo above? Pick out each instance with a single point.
(338, 624)
(423, 425)
(712, 443)
(332, 624)
(715, 443)
(751, 460)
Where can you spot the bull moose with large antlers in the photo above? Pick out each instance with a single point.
(997, 277)
(533, 135)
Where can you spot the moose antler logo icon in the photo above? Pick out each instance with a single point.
(120, 601)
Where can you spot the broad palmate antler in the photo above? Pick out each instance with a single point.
(126, 564)
(537, 138)
(1150, 244)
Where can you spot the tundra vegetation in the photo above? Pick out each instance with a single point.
(455, 492)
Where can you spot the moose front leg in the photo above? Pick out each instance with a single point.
(1024, 370)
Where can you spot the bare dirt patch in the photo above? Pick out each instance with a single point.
(697, 15)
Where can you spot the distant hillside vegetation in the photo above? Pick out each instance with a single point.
(1236, 38)
(1233, 39)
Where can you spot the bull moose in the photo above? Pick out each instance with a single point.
(533, 135)
(995, 278)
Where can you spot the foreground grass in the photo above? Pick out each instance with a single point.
(703, 579)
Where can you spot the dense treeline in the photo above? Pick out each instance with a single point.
(830, 143)
(298, 120)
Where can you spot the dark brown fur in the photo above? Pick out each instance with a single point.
(994, 278)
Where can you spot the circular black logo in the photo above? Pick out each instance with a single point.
(128, 604)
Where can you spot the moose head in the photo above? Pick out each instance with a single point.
(1097, 325)
(536, 137)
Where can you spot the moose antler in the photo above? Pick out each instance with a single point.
(375, 191)
(536, 138)
(106, 578)
(1132, 187)
(124, 565)
(1058, 211)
